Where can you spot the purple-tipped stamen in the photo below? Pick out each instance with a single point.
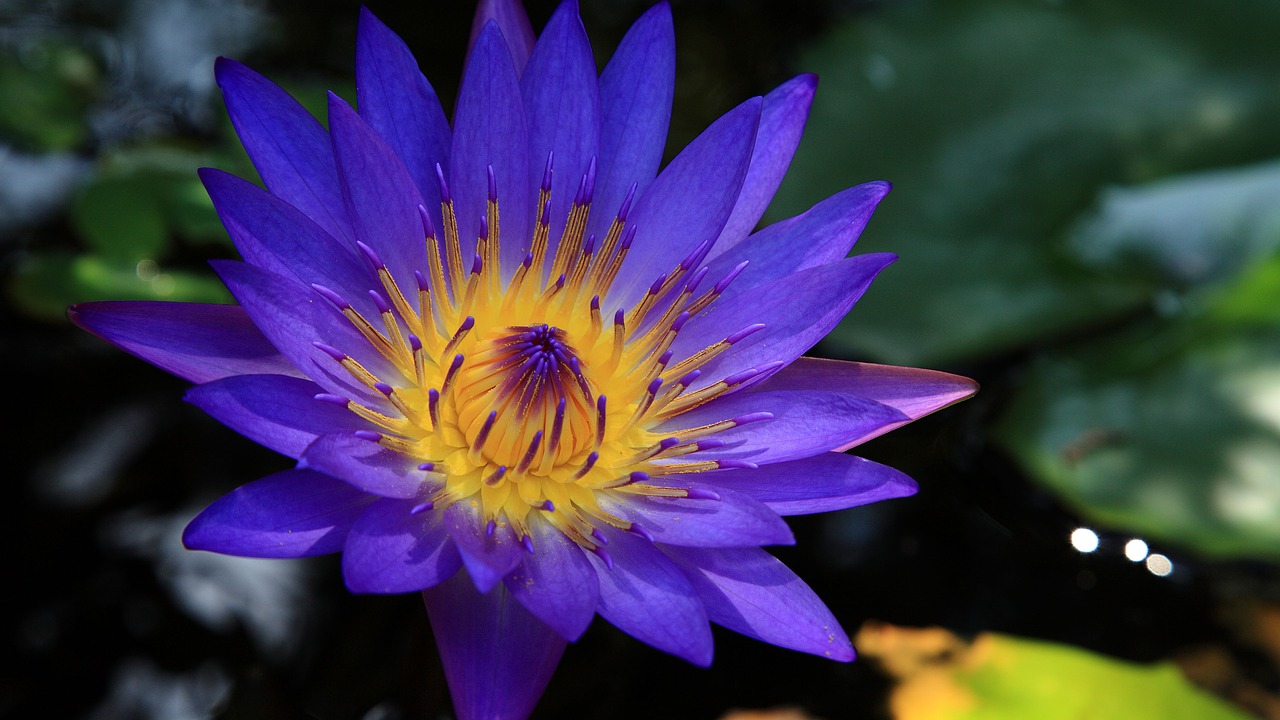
(331, 296)
(702, 494)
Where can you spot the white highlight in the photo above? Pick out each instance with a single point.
(1084, 540)
(1159, 565)
(1136, 550)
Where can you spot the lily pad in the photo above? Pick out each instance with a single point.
(994, 677)
(1001, 123)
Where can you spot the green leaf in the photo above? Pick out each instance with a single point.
(46, 87)
(998, 677)
(1001, 123)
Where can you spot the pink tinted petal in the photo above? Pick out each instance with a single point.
(735, 520)
(369, 466)
(382, 200)
(498, 658)
(488, 553)
(275, 411)
(401, 106)
(913, 391)
(823, 234)
(489, 130)
(194, 341)
(289, 148)
(646, 596)
(635, 99)
(510, 18)
(390, 549)
(294, 318)
(781, 124)
(295, 513)
(556, 583)
(562, 106)
(805, 422)
(749, 591)
(273, 235)
(821, 483)
(796, 310)
(689, 202)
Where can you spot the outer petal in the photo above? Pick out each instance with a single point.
(273, 235)
(488, 554)
(276, 411)
(295, 513)
(805, 423)
(749, 591)
(390, 550)
(556, 583)
(822, 483)
(510, 17)
(689, 202)
(781, 124)
(635, 100)
(367, 465)
(562, 107)
(497, 657)
(489, 130)
(645, 595)
(294, 318)
(193, 341)
(735, 520)
(397, 101)
(797, 311)
(823, 234)
(913, 391)
(289, 148)
(382, 200)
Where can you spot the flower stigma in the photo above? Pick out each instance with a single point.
(517, 395)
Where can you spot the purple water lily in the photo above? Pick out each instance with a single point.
(521, 370)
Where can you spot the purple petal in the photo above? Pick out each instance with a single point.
(391, 550)
(397, 101)
(294, 318)
(488, 556)
(489, 130)
(821, 483)
(689, 202)
(295, 513)
(796, 310)
(735, 520)
(749, 591)
(805, 423)
(781, 124)
(382, 200)
(276, 411)
(275, 236)
(646, 596)
(289, 148)
(562, 107)
(556, 583)
(823, 234)
(635, 101)
(498, 658)
(369, 466)
(913, 391)
(193, 341)
(512, 22)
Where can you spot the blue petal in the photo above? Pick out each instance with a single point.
(749, 591)
(392, 550)
(289, 148)
(399, 103)
(735, 520)
(369, 466)
(498, 658)
(562, 107)
(510, 18)
(646, 596)
(295, 513)
(556, 583)
(821, 483)
(193, 341)
(635, 100)
(488, 556)
(276, 411)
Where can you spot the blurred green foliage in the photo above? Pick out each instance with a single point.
(46, 89)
